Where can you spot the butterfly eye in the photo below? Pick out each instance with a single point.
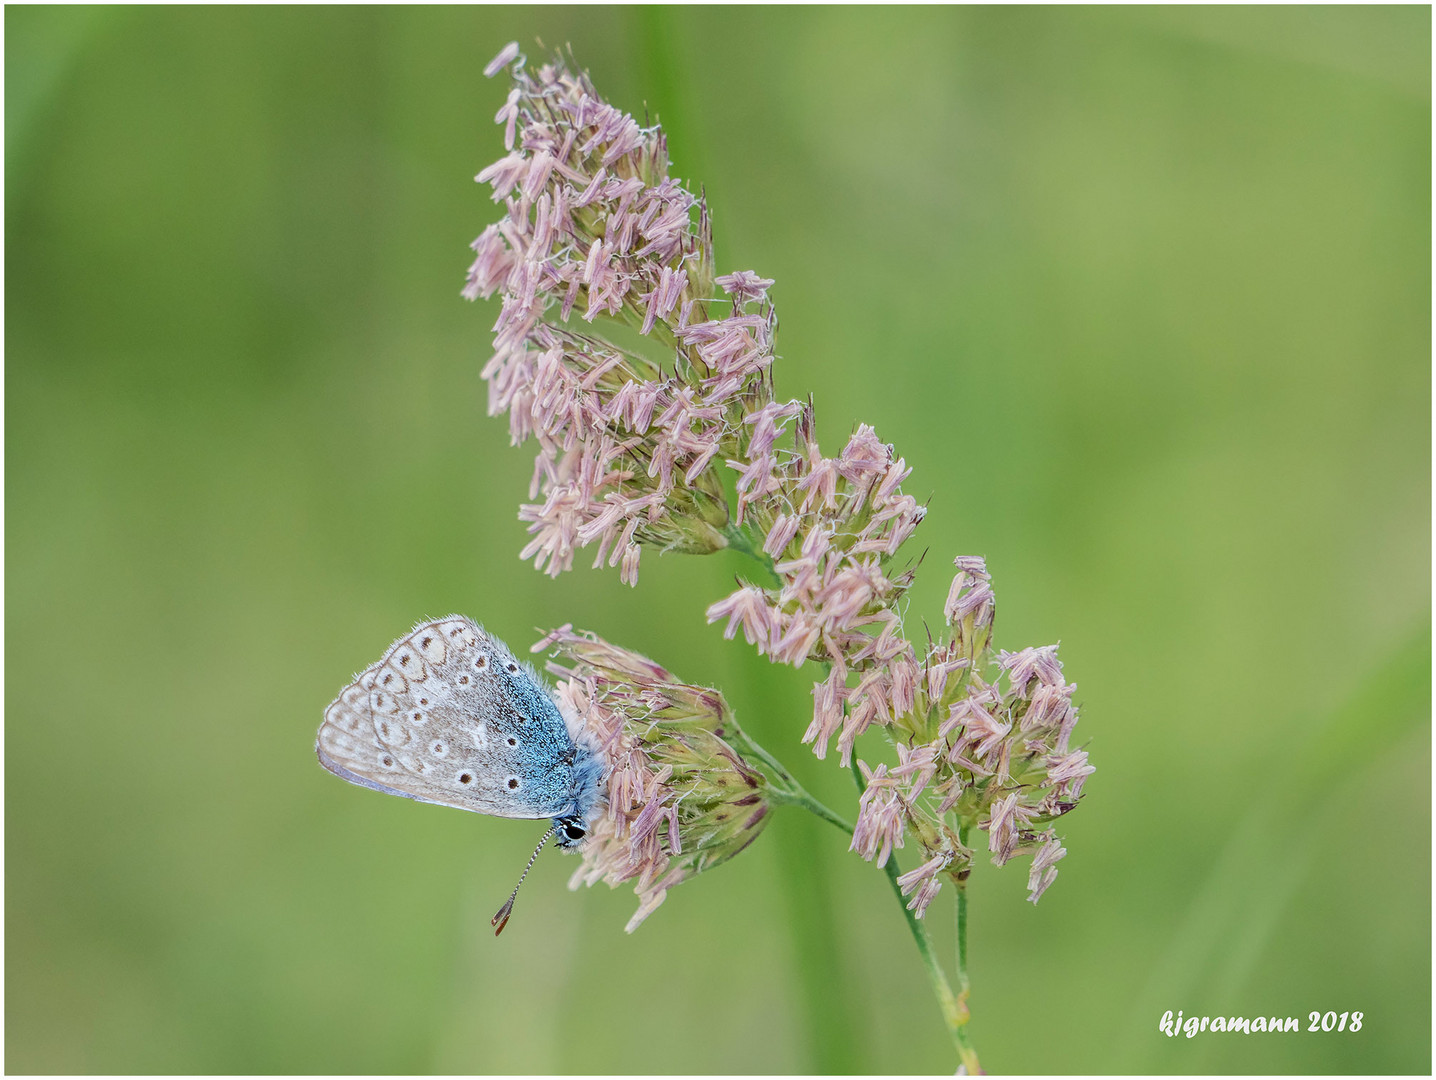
(574, 832)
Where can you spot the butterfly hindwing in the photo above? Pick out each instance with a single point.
(447, 716)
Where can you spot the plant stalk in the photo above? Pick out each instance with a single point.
(784, 788)
(953, 1007)
(740, 541)
(963, 984)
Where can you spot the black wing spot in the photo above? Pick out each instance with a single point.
(513, 783)
(465, 778)
(512, 741)
(463, 680)
(513, 666)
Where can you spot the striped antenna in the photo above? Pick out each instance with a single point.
(501, 917)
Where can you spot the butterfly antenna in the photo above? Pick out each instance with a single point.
(501, 917)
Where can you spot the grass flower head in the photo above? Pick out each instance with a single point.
(646, 379)
(681, 798)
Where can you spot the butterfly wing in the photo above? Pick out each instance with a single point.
(434, 721)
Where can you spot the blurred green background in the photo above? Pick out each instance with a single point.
(1141, 294)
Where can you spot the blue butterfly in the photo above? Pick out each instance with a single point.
(450, 716)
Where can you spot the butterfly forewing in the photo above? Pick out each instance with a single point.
(431, 721)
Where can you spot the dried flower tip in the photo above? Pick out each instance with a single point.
(970, 594)
(1001, 827)
(1031, 663)
(881, 814)
(744, 285)
(925, 882)
(507, 53)
(748, 607)
(828, 698)
(1044, 872)
(1070, 769)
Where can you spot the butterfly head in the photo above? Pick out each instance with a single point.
(570, 831)
(571, 828)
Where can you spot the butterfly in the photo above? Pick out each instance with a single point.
(449, 716)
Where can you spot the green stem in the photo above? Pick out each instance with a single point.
(834, 1038)
(810, 804)
(953, 1007)
(739, 540)
(784, 788)
(963, 985)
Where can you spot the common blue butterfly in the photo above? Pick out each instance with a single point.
(450, 716)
